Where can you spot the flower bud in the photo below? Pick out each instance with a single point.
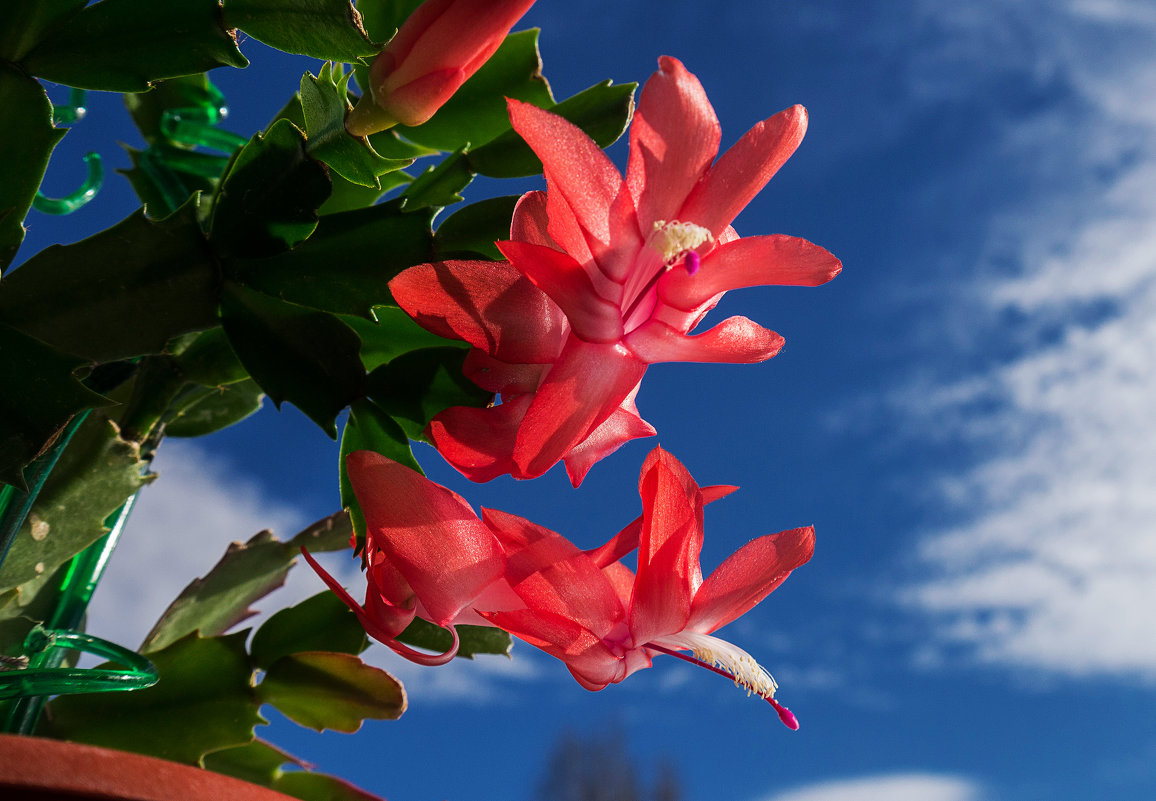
(435, 51)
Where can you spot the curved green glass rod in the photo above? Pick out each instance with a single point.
(72, 111)
(74, 200)
(137, 674)
(195, 126)
(46, 656)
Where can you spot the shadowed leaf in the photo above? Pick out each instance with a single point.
(336, 691)
(112, 45)
(203, 702)
(320, 623)
(97, 472)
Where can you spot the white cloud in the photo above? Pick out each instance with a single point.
(888, 787)
(177, 531)
(1054, 566)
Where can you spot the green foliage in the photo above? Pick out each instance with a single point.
(27, 137)
(262, 763)
(296, 354)
(49, 395)
(123, 45)
(603, 111)
(23, 23)
(203, 702)
(97, 472)
(219, 600)
(267, 201)
(439, 186)
(21, 608)
(472, 230)
(345, 267)
(208, 409)
(472, 640)
(393, 334)
(319, 623)
(417, 385)
(325, 29)
(155, 280)
(324, 104)
(246, 573)
(324, 690)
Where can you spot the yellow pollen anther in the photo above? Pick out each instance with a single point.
(748, 674)
(674, 239)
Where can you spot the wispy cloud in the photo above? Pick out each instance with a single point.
(888, 787)
(177, 531)
(1054, 562)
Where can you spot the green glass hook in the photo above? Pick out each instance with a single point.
(65, 114)
(72, 111)
(32, 681)
(74, 200)
(195, 126)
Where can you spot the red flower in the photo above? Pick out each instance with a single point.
(435, 51)
(605, 276)
(429, 555)
(605, 622)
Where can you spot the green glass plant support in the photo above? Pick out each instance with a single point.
(65, 114)
(45, 645)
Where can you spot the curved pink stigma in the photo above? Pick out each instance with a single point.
(785, 715)
(693, 262)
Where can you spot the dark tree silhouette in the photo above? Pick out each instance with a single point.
(599, 768)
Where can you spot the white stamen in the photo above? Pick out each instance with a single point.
(674, 239)
(719, 653)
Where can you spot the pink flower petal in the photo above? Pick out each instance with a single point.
(488, 304)
(588, 181)
(775, 260)
(550, 574)
(668, 548)
(626, 540)
(736, 340)
(429, 533)
(530, 222)
(494, 375)
(674, 137)
(747, 576)
(591, 317)
(744, 170)
(588, 382)
(478, 442)
(591, 662)
(623, 425)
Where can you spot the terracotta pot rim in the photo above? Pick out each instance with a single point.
(44, 768)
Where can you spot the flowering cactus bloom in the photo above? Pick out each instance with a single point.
(429, 555)
(435, 51)
(606, 622)
(606, 275)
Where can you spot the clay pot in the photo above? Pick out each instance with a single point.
(36, 769)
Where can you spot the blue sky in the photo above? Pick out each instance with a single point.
(964, 414)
